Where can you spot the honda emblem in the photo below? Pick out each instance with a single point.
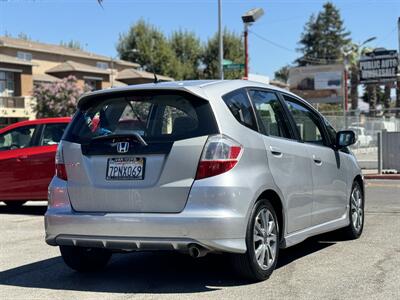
(122, 147)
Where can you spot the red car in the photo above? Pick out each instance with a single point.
(27, 151)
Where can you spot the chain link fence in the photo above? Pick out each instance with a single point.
(366, 128)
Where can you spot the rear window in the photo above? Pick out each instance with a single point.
(155, 116)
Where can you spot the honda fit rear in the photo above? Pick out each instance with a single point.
(196, 167)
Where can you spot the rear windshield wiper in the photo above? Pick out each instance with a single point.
(121, 135)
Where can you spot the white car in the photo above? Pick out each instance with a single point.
(363, 139)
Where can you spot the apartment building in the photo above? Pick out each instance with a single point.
(24, 63)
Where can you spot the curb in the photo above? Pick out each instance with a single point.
(382, 176)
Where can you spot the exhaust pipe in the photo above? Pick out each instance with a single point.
(197, 251)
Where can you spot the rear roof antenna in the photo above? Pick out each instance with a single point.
(155, 77)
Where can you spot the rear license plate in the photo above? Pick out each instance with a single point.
(125, 168)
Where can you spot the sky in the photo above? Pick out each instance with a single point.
(272, 43)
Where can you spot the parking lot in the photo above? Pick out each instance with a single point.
(323, 267)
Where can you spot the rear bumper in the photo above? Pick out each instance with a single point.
(217, 229)
(142, 231)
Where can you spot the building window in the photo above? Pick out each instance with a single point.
(6, 83)
(102, 65)
(92, 84)
(24, 55)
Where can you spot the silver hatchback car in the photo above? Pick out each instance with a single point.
(232, 167)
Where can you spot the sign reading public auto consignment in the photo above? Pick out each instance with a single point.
(379, 67)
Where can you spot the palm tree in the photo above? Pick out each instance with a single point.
(387, 99)
(353, 55)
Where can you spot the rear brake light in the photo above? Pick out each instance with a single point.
(220, 155)
(61, 171)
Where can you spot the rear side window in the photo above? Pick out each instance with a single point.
(270, 113)
(240, 107)
(52, 134)
(154, 115)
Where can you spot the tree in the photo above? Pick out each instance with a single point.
(180, 56)
(24, 36)
(187, 49)
(374, 95)
(21, 36)
(354, 81)
(57, 99)
(353, 58)
(146, 45)
(233, 50)
(387, 99)
(323, 38)
(372, 90)
(72, 44)
(282, 74)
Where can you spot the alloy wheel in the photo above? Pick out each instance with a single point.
(265, 238)
(357, 211)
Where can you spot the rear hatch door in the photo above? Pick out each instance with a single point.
(136, 151)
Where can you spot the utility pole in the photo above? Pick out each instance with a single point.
(398, 72)
(345, 94)
(221, 44)
(248, 19)
(398, 34)
(346, 88)
(246, 51)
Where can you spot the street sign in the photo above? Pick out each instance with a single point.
(379, 67)
(232, 67)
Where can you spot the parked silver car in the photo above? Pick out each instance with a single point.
(232, 167)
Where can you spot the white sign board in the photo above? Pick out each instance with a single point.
(318, 84)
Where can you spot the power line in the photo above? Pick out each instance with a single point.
(386, 37)
(271, 42)
(315, 60)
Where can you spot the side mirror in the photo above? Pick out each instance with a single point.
(345, 138)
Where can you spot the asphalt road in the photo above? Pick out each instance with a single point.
(326, 267)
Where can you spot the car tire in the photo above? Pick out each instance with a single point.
(356, 213)
(248, 265)
(84, 259)
(14, 204)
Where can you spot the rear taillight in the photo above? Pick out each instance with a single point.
(220, 155)
(61, 171)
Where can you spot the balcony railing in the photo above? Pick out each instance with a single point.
(12, 102)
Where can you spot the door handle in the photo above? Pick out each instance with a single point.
(317, 160)
(276, 151)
